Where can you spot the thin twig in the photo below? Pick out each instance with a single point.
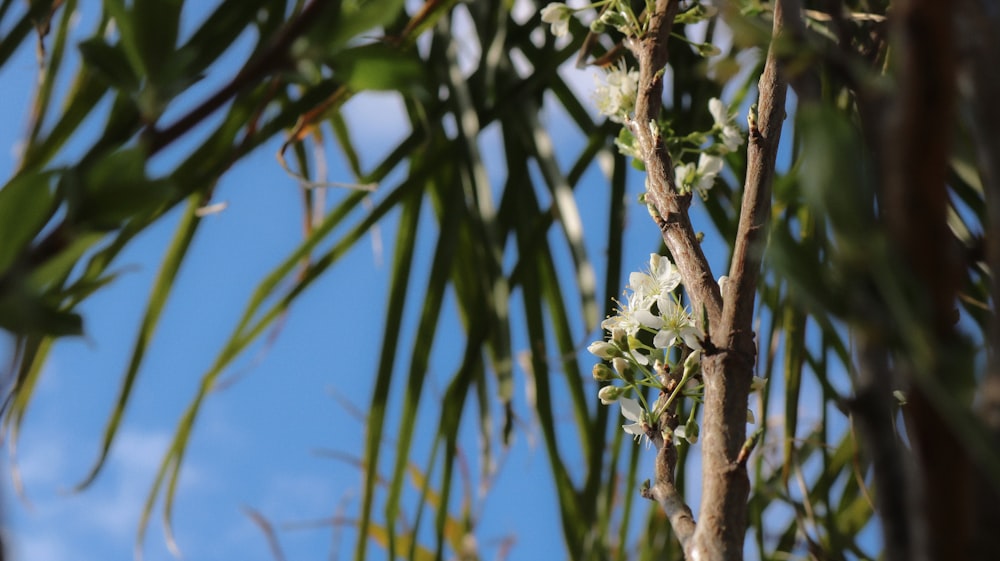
(663, 489)
(664, 492)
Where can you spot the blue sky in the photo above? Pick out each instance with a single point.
(255, 443)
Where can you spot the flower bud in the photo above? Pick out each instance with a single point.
(688, 432)
(692, 365)
(620, 338)
(597, 26)
(757, 384)
(691, 431)
(602, 373)
(623, 368)
(610, 394)
(614, 18)
(750, 417)
(604, 350)
(708, 50)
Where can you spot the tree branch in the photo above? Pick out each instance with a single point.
(663, 490)
(661, 193)
(665, 493)
(728, 369)
(762, 153)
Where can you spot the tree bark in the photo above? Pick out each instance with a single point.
(730, 351)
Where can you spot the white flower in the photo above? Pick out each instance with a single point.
(616, 97)
(633, 412)
(661, 280)
(672, 324)
(700, 179)
(625, 319)
(684, 176)
(757, 383)
(729, 133)
(731, 138)
(557, 15)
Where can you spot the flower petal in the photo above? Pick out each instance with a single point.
(709, 165)
(631, 409)
(718, 111)
(635, 429)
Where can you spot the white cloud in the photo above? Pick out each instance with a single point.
(58, 525)
(40, 463)
(134, 462)
(40, 548)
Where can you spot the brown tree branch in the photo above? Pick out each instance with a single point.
(729, 370)
(663, 490)
(670, 209)
(678, 234)
(762, 153)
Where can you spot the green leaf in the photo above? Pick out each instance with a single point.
(116, 189)
(55, 269)
(110, 63)
(402, 261)
(356, 17)
(26, 205)
(220, 30)
(380, 67)
(29, 313)
(835, 173)
(126, 30)
(165, 282)
(156, 23)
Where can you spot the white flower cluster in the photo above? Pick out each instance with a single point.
(615, 95)
(649, 324)
(615, 98)
(700, 178)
